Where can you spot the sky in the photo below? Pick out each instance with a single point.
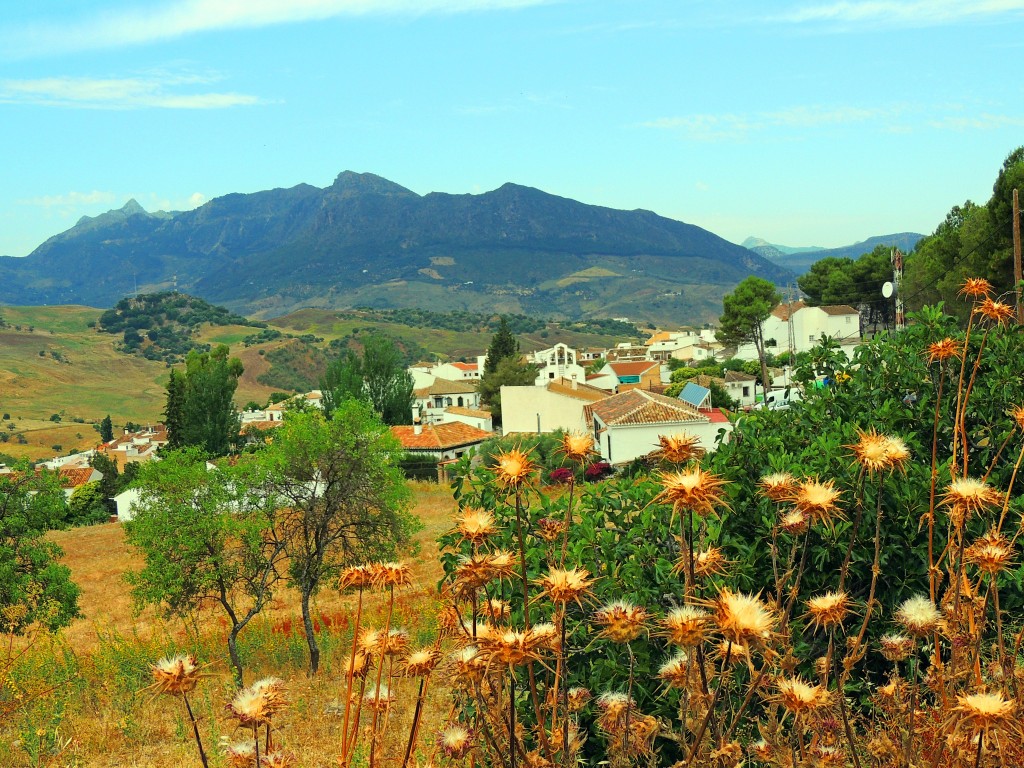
(804, 122)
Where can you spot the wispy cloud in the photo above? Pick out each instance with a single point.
(728, 126)
(152, 22)
(906, 13)
(162, 91)
(981, 122)
(71, 200)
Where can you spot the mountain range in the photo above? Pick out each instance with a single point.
(367, 241)
(800, 259)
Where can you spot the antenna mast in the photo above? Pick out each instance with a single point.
(896, 257)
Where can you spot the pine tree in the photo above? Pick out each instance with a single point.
(503, 345)
(106, 429)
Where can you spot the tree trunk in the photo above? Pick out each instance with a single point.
(236, 660)
(307, 625)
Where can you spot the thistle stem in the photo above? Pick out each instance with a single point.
(195, 730)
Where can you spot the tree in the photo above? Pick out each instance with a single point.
(207, 537)
(745, 309)
(378, 378)
(511, 372)
(200, 408)
(87, 505)
(503, 346)
(106, 429)
(346, 498)
(34, 587)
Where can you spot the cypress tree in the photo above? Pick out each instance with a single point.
(503, 345)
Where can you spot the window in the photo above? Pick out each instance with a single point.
(811, 338)
(746, 391)
(551, 375)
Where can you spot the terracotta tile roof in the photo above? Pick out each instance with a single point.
(474, 412)
(446, 387)
(638, 406)
(72, 477)
(439, 437)
(785, 311)
(634, 367)
(586, 392)
(466, 366)
(739, 376)
(839, 309)
(659, 336)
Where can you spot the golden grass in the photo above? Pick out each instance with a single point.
(118, 727)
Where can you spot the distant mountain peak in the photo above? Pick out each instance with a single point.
(350, 183)
(132, 207)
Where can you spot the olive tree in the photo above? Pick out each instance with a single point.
(343, 497)
(208, 539)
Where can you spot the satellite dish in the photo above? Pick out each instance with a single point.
(887, 290)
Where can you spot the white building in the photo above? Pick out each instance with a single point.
(627, 426)
(796, 327)
(441, 394)
(557, 405)
(557, 362)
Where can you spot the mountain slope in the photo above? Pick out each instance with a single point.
(367, 241)
(799, 260)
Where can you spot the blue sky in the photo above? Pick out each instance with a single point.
(806, 122)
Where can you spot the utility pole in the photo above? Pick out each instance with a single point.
(1016, 256)
(896, 257)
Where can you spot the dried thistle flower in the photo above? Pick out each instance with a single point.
(799, 697)
(679, 448)
(356, 577)
(709, 562)
(241, 754)
(991, 553)
(380, 698)
(564, 586)
(793, 522)
(358, 665)
(879, 453)
(455, 741)
(613, 707)
(621, 621)
(369, 641)
(828, 610)
(677, 671)
(475, 525)
(1017, 414)
(975, 286)
(389, 575)
(692, 489)
(896, 646)
(176, 675)
(257, 704)
(497, 610)
(577, 446)
(983, 712)
(918, 615)
(510, 647)
(818, 501)
(997, 312)
(743, 619)
(545, 635)
(778, 486)
(578, 698)
(467, 665)
(550, 529)
(731, 653)
(967, 496)
(395, 642)
(514, 469)
(941, 351)
(278, 759)
(686, 626)
(476, 570)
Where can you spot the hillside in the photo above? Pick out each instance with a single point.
(366, 241)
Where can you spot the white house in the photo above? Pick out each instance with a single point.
(444, 441)
(627, 426)
(557, 405)
(431, 401)
(557, 362)
(794, 326)
(474, 417)
(672, 344)
(460, 371)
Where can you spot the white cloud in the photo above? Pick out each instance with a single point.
(707, 127)
(152, 91)
(151, 22)
(916, 13)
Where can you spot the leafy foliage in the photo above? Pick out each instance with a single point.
(200, 407)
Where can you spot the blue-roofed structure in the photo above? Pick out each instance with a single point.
(697, 396)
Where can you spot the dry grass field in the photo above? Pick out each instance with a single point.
(99, 713)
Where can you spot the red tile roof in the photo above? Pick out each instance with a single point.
(439, 437)
(839, 309)
(638, 406)
(72, 477)
(586, 392)
(784, 311)
(466, 366)
(475, 413)
(446, 387)
(634, 367)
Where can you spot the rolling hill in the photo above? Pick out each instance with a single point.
(799, 260)
(366, 241)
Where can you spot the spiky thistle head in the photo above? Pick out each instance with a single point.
(176, 675)
(356, 577)
(278, 759)
(709, 562)
(743, 619)
(577, 446)
(510, 647)
(467, 665)
(794, 522)
(621, 621)
(828, 610)
(975, 286)
(685, 626)
(677, 672)
(896, 646)
(992, 553)
(455, 741)
(818, 501)
(565, 585)
(514, 468)
(729, 652)
(421, 662)
(918, 615)
(579, 697)
(475, 525)
(390, 575)
(257, 704)
(879, 453)
(778, 486)
(967, 496)
(692, 489)
(800, 697)
(358, 665)
(395, 642)
(379, 698)
(986, 712)
(940, 351)
(241, 754)
(680, 448)
(996, 312)
(496, 610)
(550, 529)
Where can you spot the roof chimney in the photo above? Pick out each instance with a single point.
(417, 428)
(574, 381)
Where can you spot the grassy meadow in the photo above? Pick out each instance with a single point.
(94, 709)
